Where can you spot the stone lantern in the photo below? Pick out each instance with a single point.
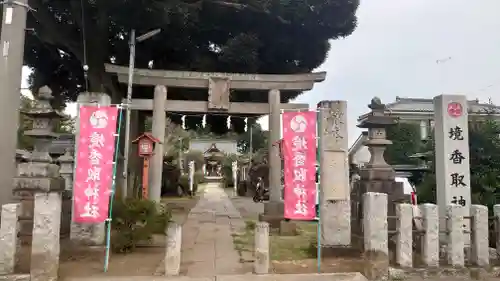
(377, 123)
(39, 174)
(44, 117)
(377, 175)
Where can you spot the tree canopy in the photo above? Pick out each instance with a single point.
(259, 139)
(405, 139)
(255, 36)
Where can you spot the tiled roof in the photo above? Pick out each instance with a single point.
(427, 105)
(420, 105)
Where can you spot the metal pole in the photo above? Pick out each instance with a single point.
(127, 121)
(11, 63)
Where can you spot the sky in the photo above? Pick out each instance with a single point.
(411, 48)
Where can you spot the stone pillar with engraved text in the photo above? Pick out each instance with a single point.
(335, 208)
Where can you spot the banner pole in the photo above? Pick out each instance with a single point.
(318, 190)
(112, 195)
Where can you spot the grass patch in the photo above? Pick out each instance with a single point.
(282, 248)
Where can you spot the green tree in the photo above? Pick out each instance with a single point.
(405, 139)
(484, 147)
(259, 139)
(250, 36)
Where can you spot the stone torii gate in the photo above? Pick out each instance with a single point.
(219, 86)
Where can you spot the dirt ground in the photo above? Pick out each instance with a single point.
(289, 254)
(295, 254)
(146, 260)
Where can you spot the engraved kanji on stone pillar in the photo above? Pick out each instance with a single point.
(334, 174)
(80, 233)
(40, 174)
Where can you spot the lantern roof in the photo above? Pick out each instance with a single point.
(147, 135)
(42, 107)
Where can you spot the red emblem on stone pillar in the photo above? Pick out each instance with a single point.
(455, 109)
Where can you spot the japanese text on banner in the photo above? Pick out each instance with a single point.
(94, 163)
(299, 155)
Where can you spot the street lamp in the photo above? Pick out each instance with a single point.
(132, 43)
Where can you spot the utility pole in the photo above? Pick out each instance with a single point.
(11, 66)
(131, 66)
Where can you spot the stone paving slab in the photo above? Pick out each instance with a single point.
(143, 278)
(207, 242)
(244, 277)
(355, 276)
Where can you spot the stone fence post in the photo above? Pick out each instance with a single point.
(455, 236)
(480, 246)
(496, 212)
(375, 235)
(9, 242)
(173, 251)
(404, 236)
(262, 260)
(430, 235)
(45, 248)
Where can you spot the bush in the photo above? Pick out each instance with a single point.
(227, 169)
(197, 157)
(199, 178)
(134, 221)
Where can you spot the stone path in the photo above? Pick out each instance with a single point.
(207, 242)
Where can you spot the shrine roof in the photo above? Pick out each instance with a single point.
(148, 135)
(213, 148)
(212, 140)
(415, 108)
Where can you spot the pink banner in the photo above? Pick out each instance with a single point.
(299, 155)
(94, 163)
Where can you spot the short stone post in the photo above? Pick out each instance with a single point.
(204, 169)
(45, 247)
(496, 212)
(375, 235)
(173, 251)
(404, 238)
(454, 227)
(191, 177)
(234, 169)
(89, 234)
(430, 236)
(479, 225)
(9, 242)
(262, 260)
